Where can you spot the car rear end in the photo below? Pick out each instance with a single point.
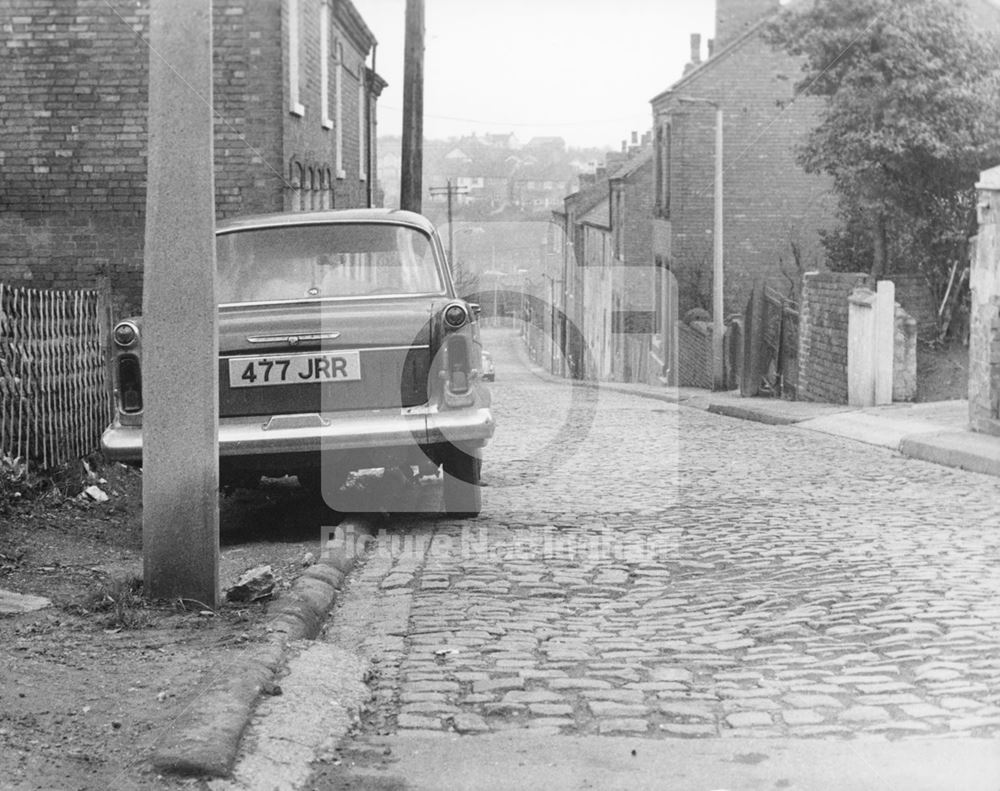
(341, 346)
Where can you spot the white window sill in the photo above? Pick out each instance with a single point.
(298, 109)
(327, 123)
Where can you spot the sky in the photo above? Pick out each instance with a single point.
(583, 70)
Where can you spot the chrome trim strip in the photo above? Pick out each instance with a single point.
(337, 300)
(293, 337)
(232, 355)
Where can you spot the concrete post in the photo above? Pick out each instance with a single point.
(860, 348)
(180, 519)
(885, 336)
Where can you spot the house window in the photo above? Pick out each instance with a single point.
(310, 202)
(295, 106)
(338, 108)
(663, 154)
(324, 65)
(362, 173)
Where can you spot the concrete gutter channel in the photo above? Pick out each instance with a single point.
(205, 739)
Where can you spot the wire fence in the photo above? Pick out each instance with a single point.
(54, 394)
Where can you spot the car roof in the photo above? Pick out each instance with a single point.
(286, 219)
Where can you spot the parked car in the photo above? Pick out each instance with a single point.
(342, 346)
(489, 369)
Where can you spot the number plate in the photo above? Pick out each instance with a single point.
(295, 369)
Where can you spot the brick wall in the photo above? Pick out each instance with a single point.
(916, 297)
(904, 356)
(73, 144)
(73, 141)
(249, 101)
(771, 206)
(823, 335)
(638, 239)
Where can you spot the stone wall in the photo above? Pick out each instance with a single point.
(823, 335)
(984, 332)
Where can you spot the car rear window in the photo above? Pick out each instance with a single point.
(325, 261)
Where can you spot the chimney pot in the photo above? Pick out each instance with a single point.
(635, 137)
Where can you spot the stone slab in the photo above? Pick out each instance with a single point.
(12, 603)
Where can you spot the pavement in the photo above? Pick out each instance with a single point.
(514, 761)
(936, 431)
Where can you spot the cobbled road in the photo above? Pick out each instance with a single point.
(651, 570)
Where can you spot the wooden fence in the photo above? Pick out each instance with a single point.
(770, 333)
(54, 396)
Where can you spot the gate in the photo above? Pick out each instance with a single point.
(770, 346)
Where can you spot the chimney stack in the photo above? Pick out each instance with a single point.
(695, 48)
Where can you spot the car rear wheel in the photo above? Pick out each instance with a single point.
(463, 497)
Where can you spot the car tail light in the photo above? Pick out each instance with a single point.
(125, 334)
(458, 364)
(458, 324)
(129, 383)
(456, 316)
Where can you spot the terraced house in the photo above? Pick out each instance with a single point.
(294, 95)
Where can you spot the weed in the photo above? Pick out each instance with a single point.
(121, 600)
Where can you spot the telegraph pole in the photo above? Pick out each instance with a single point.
(411, 186)
(450, 191)
(180, 454)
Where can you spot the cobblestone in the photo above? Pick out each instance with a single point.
(714, 578)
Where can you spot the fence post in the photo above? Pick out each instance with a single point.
(753, 331)
(105, 322)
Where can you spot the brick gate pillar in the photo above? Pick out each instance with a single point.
(984, 331)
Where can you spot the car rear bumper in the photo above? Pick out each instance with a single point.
(315, 433)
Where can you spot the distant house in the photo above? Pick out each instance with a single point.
(609, 291)
(295, 99)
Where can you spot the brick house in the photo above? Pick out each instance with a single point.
(773, 210)
(295, 103)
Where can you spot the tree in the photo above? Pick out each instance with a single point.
(912, 115)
